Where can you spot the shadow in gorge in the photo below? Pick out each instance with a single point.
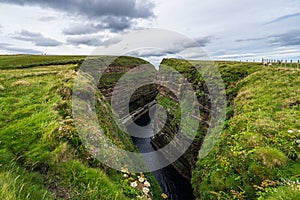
(171, 182)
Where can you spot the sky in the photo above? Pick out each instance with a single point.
(225, 29)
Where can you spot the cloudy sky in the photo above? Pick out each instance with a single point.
(226, 29)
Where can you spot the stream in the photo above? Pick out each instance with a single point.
(171, 182)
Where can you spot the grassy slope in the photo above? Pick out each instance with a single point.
(41, 156)
(257, 155)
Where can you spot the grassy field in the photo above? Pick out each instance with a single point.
(25, 61)
(41, 155)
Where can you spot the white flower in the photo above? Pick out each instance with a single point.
(124, 170)
(141, 179)
(290, 131)
(147, 184)
(133, 184)
(298, 131)
(146, 190)
(125, 175)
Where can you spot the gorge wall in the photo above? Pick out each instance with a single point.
(134, 70)
(185, 164)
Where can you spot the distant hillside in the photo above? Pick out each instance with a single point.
(25, 61)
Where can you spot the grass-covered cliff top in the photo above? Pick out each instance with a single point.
(41, 155)
(257, 156)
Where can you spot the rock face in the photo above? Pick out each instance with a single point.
(185, 164)
(121, 82)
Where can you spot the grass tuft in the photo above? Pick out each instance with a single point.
(271, 157)
(20, 83)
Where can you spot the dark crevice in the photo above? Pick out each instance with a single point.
(172, 183)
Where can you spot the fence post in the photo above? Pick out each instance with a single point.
(285, 63)
(291, 63)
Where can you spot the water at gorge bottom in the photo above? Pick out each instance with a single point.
(171, 182)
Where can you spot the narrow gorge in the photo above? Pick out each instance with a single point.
(157, 94)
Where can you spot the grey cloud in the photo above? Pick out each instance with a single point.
(111, 41)
(93, 8)
(291, 38)
(186, 44)
(91, 41)
(83, 29)
(117, 14)
(47, 18)
(36, 38)
(114, 24)
(251, 39)
(2, 44)
(237, 55)
(204, 41)
(11, 49)
(150, 53)
(284, 17)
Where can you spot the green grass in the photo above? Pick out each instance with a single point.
(25, 61)
(18, 183)
(41, 155)
(258, 144)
